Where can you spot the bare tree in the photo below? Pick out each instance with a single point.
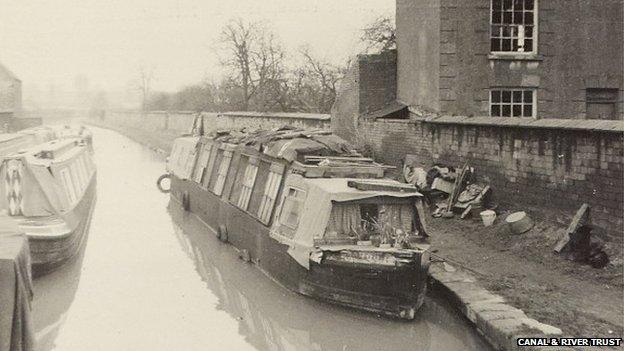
(312, 86)
(255, 59)
(379, 35)
(145, 80)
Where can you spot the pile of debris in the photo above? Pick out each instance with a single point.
(580, 242)
(448, 189)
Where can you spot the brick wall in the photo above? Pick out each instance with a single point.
(369, 85)
(579, 47)
(534, 168)
(377, 81)
(418, 38)
(444, 60)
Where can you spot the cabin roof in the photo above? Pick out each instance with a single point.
(49, 151)
(340, 191)
(9, 136)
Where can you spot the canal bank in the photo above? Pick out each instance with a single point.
(144, 283)
(500, 322)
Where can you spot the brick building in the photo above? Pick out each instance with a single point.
(529, 92)
(521, 58)
(10, 96)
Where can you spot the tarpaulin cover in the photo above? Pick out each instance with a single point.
(16, 329)
(289, 143)
(317, 208)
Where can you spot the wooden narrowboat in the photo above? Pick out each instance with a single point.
(49, 191)
(13, 142)
(311, 212)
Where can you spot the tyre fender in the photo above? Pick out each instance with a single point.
(159, 183)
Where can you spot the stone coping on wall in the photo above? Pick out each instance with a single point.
(285, 115)
(138, 112)
(523, 122)
(252, 114)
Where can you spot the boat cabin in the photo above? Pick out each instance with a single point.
(46, 179)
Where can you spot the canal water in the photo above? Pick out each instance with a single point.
(144, 283)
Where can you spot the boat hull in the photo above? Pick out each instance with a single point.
(50, 253)
(392, 291)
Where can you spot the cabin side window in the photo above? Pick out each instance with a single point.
(86, 160)
(82, 170)
(68, 185)
(222, 171)
(73, 170)
(207, 177)
(202, 163)
(291, 210)
(237, 187)
(258, 189)
(249, 180)
(270, 192)
(189, 161)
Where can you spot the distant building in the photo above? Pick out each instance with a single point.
(10, 96)
(529, 92)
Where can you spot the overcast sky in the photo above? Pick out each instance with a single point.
(53, 41)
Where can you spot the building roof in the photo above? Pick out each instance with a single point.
(6, 74)
(285, 115)
(387, 110)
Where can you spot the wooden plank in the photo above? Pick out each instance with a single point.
(337, 158)
(581, 217)
(371, 186)
(466, 212)
(479, 197)
(458, 181)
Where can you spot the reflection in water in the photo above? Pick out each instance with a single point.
(54, 295)
(144, 284)
(273, 318)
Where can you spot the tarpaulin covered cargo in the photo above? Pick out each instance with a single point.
(16, 330)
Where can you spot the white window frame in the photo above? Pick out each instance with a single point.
(69, 186)
(512, 103)
(249, 180)
(202, 163)
(269, 196)
(535, 25)
(222, 172)
(301, 202)
(82, 163)
(76, 177)
(81, 170)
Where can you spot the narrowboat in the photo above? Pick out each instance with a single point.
(49, 192)
(13, 142)
(310, 212)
